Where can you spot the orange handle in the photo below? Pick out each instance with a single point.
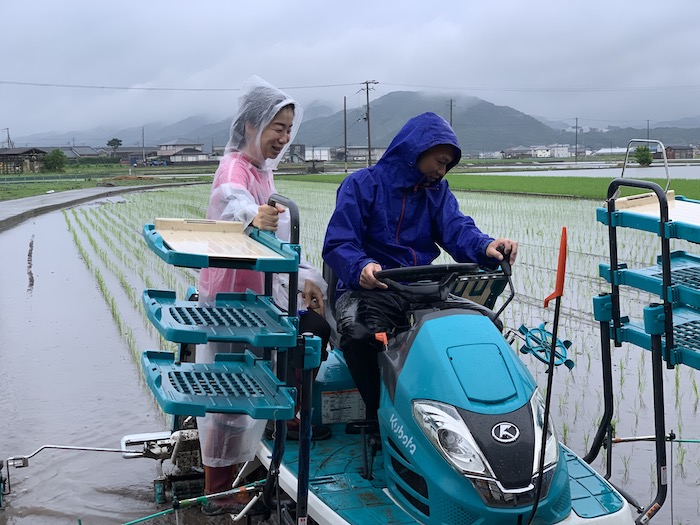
(561, 270)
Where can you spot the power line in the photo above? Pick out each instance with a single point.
(546, 89)
(140, 88)
(589, 89)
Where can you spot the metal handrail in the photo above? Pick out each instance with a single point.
(648, 141)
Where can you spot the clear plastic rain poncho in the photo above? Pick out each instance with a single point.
(244, 181)
(257, 106)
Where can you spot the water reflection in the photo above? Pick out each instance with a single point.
(66, 379)
(600, 170)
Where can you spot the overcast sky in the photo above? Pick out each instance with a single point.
(601, 61)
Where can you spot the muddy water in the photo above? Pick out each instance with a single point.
(66, 379)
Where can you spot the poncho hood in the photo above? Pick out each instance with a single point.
(418, 135)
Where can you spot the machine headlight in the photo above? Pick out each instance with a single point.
(448, 433)
(551, 451)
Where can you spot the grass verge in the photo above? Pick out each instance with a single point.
(576, 187)
(14, 190)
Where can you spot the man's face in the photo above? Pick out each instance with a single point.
(277, 133)
(433, 162)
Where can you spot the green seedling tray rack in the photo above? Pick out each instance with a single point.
(286, 257)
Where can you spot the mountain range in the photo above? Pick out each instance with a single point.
(480, 127)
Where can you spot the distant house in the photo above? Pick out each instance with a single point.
(77, 152)
(166, 149)
(134, 154)
(21, 160)
(317, 153)
(182, 150)
(541, 152)
(188, 155)
(486, 155)
(296, 153)
(679, 152)
(579, 151)
(559, 151)
(609, 151)
(518, 152)
(360, 153)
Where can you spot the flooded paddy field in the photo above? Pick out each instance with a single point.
(72, 329)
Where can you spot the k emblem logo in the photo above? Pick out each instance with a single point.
(505, 432)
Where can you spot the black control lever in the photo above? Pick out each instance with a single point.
(505, 263)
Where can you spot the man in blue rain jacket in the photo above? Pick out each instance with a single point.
(397, 213)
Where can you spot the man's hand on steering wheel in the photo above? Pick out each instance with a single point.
(367, 278)
(510, 248)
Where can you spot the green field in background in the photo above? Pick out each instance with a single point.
(574, 187)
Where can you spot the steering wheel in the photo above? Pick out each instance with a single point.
(428, 283)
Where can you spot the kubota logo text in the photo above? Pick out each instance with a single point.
(401, 436)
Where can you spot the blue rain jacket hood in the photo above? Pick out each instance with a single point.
(385, 215)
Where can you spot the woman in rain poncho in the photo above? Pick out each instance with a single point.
(261, 132)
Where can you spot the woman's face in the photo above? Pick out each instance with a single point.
(277, 133)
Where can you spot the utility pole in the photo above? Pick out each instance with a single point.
(647, 129)
(143, 144)
(451, 105)
(345, 134)
(9, 142)
(369, 136)
(576, 146)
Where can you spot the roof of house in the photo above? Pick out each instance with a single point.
(189, 151)
(22, 151)
(181, 142)
(86, 151)
(74, 152)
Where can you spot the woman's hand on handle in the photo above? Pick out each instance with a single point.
(267, 217)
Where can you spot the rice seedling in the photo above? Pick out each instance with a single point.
(564, 433)
(626, 465)
(680, 460)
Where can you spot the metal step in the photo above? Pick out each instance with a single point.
(233, 383)
(685, 278)
(686, 336)
(232, 317)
